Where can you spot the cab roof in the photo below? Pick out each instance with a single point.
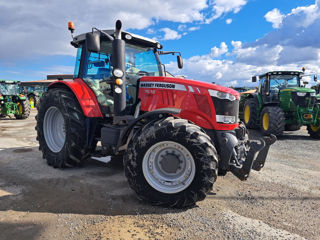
(9, 81)
(135, 39)
(281, 73)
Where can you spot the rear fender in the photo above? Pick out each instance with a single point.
(83, 93)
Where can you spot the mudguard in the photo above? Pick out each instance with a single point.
(86, 98)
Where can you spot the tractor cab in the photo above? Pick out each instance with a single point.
(96, 66)
(9, 88)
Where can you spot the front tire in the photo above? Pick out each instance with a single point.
(272, 121)
(314, 131)
(23, 109)
(61, 129)
(171, 163)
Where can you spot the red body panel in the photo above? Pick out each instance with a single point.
(85, 96)
(192, 97)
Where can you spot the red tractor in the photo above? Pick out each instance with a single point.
(172, 135)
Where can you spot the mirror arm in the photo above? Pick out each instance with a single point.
(103, 33)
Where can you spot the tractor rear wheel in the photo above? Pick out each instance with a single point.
(250, 111)
(172, 163)
(314, 131)
(23, 110)
(272, 120)
(61, 129)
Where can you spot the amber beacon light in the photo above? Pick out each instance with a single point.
(71, 26)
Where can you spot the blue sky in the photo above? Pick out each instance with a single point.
(225, 41)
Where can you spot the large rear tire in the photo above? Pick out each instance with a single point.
(314, 131)
(61, 129)
(250, 110)
(23, 109)
(171, 163)
(272, 120)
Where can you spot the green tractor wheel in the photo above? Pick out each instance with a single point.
(272, 120)
(314, 131)
(250, 113)
(23, 110)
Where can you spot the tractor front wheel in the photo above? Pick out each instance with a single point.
(23, 110)
(272, 120)
(61, 129)
(314, 131)
(171, 163)
(250, 110)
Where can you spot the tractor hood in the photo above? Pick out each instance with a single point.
(187, 84)
(298, 89)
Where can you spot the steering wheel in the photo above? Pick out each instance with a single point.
(142, 73)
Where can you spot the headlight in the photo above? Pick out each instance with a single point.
(222, 95)
(301, 94)
(313, 94)
(225, 119)
(118, 73)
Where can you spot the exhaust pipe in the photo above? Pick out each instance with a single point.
(118, 62)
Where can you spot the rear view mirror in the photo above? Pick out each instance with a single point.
(179, 61)
(315, 78)
(93, 42)
(254, 78)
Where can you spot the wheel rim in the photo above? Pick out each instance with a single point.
(20, 109)
(314, 128)
(31, 101)
(168, 167)
(246, 114)
(54, 129)
(265, 121)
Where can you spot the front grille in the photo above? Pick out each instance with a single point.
(226, 107)
(305, 101)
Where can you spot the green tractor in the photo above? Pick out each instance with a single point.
(11, 102)
(34, 90)
(281, 104)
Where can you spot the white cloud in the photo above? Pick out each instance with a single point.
(35, 27)
(218, 51)
(170, 34)
(229, 21)
(191, 29)
(275, 17)
(290, 47)
(221, 7)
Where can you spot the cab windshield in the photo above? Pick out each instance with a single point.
(96, 70)
(8, 89)
(284, 81)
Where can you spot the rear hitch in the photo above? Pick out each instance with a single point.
(256, 157)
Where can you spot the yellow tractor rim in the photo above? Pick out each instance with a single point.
(246, 114)
(31, 102)
(265, 121)
(20, 108)
(314, 128)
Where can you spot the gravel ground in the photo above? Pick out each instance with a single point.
(95, 202)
